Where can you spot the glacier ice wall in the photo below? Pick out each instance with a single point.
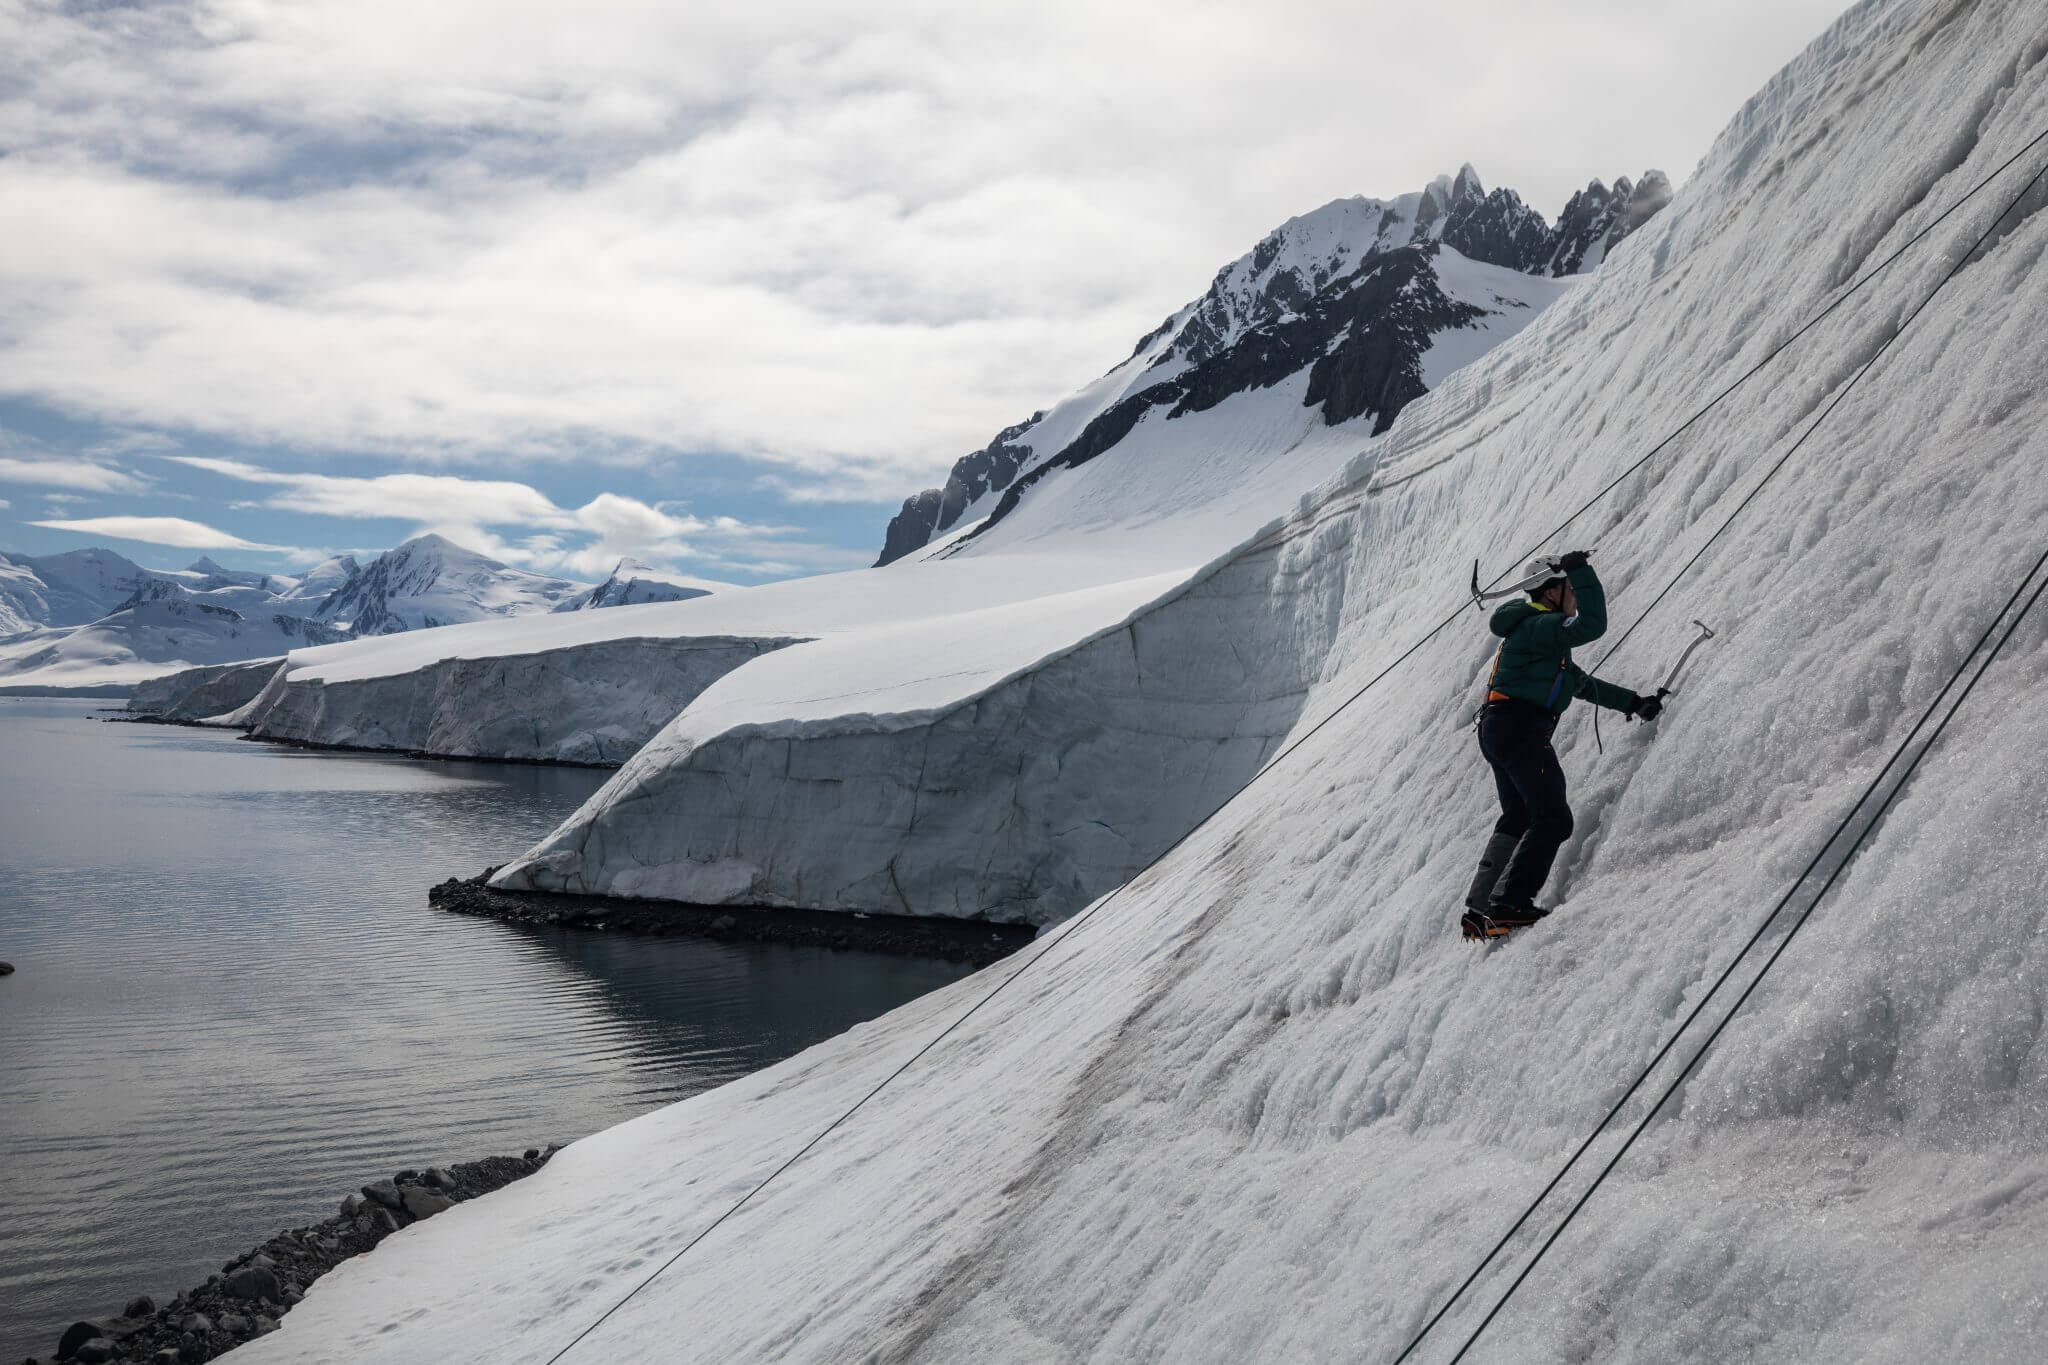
(595, 703)
(209, 690)
(1021, 803)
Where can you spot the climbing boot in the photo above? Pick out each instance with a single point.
(1514, 916)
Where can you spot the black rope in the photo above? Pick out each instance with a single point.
(1662, 1052)
(1772, 473)
(1778, 952)
(1075, 924)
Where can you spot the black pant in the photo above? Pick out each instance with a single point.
(1535, 819)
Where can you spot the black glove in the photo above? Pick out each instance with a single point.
(1646, 708)
(1575, 559)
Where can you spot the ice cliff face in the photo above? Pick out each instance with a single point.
(431, 581)
(596, 704)
(1317, 283)
(1020, 804)
(1264, 1105)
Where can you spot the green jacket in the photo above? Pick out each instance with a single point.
(1534, 663)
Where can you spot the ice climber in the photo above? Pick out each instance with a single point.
(1532, 682)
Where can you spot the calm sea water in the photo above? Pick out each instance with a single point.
(232, 1004)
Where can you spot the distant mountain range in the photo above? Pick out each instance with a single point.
(1375, 299)
(92, 618)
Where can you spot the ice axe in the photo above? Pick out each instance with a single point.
(1670, 686)
(1481, 596)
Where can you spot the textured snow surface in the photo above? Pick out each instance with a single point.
(1266, 1106)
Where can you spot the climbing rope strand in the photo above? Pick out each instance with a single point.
(1075, 924)
(1836, 402)
(1644, 1075)
(1778, 350)
(827, 1130)
(1680, 430)
(1763, 927)
(1861, 838)
(1847, 389)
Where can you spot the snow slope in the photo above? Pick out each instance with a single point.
(1265, 1105)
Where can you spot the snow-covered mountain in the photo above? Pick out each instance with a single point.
(160, 628)
(1360, 292)
(322, 580)
(72, 620)
(1207, 449)
(431, 581)
(1265, 1105)
(633, 583)
(69, 589)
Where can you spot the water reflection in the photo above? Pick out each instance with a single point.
(233, 1004)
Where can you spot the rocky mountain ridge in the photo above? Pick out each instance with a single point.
(1311, 281)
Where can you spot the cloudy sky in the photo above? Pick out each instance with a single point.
(715, 284)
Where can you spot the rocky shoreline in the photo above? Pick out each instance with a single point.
(976, 942)
(249, 1294)
(286, 742)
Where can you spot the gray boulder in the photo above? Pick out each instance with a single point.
(256, 1282)
(96, 1351)
(422, 1202)
(75, 1336)
(385, 1193)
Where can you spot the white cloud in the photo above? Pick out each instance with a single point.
(5, 504)
(852, 241)
(190, 535)
(70, 473)
(587, 540)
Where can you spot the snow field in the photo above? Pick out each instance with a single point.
(1265, 1105)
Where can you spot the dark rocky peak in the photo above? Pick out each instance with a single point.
(1277, 278)
(1596, 218)
(936, 510)
(1499, 229)
(1243, 324)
